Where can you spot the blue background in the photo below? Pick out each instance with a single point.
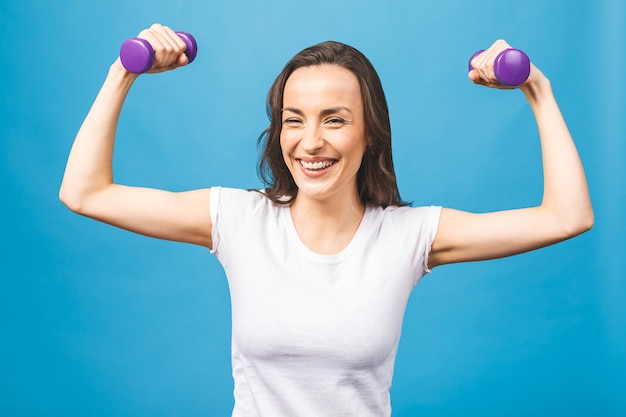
(101, 322)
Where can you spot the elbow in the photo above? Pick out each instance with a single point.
(587, 222)
(579, 224)
(71, 198)
(81, 199)
(587, 219)
(568, 219)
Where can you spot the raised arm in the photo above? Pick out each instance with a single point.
(565, 210)
(88, 187)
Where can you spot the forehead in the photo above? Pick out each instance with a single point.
(322, 85)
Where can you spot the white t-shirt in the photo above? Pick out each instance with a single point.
(316, 335)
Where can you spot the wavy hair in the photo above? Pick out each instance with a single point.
(376, 178)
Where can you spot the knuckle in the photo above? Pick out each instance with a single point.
(501, 43)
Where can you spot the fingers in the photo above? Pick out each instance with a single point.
(483, 64)
(168, 47)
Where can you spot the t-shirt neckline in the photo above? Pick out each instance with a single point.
(322, 258)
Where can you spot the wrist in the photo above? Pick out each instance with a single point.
(118, 72)
(537, 88)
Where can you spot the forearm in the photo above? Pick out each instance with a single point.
(566, 195)
(89, 165)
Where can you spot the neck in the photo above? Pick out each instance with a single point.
(327, 226)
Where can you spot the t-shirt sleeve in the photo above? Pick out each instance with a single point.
(416, 227)
(214, 204)
(230, 209)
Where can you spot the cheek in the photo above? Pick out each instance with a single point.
(353, 145)
(289, 140)
(283, 147)
(286, 141)
(286, 149)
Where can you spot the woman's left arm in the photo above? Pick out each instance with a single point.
(565, 210)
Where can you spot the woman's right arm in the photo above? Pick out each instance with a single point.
(88, 187)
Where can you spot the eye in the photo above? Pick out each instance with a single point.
(292, 121)
(335, 121)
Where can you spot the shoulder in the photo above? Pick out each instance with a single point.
(409, 215)
(405, 223)
(235, 210)
(236, 193)
(412, 225)
(226, 196)
(237, 203)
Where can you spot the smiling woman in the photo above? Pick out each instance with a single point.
(320, 265)
(376, 180)
(323, 134)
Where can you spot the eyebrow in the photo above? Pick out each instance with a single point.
(324, 112)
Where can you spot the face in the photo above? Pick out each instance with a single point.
(323, 131)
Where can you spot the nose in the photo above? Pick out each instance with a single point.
(312, 140)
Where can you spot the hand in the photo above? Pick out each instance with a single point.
(483, 67)
(169, 48)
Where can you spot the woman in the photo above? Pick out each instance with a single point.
(320, 264)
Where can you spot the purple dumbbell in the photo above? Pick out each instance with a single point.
(137, 54)
(511, 66)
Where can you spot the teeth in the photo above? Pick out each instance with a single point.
(316, 165)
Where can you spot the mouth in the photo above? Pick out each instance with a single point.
(316, 165)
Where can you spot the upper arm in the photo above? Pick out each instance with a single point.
(179, 216)
(463, 236)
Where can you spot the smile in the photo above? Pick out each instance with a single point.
(316, 166)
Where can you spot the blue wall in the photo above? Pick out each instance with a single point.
(97, 321)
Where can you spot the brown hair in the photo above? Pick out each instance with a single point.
(376, 178)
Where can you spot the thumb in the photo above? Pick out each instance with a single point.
(473, 75)
(182, 60)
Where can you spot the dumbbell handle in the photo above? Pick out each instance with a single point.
(137, 54)
(511, 66)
